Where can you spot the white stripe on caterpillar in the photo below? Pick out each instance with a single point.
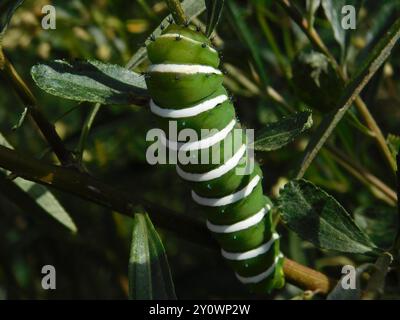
(261, 276)
(216, 173)
(232, 198)
(264, 248)
(183, 68)
(187, 112)
(181, 37)
(199, 144)
(241, 225)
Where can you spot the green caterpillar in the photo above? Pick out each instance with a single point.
(186, 87)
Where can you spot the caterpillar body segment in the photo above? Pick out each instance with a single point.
(186, 87)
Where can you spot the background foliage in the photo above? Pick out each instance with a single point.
(273, 72)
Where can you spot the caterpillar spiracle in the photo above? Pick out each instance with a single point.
(186, 86)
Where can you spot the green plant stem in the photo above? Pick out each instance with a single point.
(317, 42)
(89, 188)
(28, 99)
(177, 11)
(86, 129)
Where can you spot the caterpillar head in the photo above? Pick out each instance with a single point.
(182, 44)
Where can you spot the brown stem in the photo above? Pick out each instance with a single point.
(46, 128)
(89, 188)
(310, 32)
(373, 126)
(317, 42)
(176, 11)
(305, 277)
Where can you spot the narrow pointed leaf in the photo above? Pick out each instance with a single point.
(214, 11)
(21, 119)
(337, 18)
(43, 198)
(333, 9)
(317, 217)
(91, 81)
(312, 7)
(149, 273)
(278, 134)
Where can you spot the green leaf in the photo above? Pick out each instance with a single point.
(214, 11)
(278, 134)
(192, 9)
(91, 81)
(377, 57)
(333, 12)
(149, 273)
(21, 119)
(7, 9)
(43, 198)
(393, 142)
(317, 217)
(333, 9)
(312, 7)
(246, 35)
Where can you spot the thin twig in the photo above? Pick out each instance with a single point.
(270, 92)
(309, 31)
(318, 43)
(85, 130)
(46, 128)
(89, 188)
(177, 11)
